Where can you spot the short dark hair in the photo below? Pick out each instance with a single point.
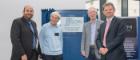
(26, 7)
(107, 4)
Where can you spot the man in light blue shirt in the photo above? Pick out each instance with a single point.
(50, 39)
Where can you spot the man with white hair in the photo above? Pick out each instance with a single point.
(50, 39)
(89, 35)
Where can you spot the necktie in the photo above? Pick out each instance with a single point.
(105, 33)
(33, 36)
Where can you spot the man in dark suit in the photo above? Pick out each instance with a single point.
(24, 36)
(111, 35)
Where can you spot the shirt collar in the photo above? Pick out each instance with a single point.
(109, 19)
(52, 25)
(93, 22)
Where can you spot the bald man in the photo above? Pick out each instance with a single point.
(88, 46)
(24, 36)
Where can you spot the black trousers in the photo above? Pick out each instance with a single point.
(34, 55)
(52, 57)
(92, 55)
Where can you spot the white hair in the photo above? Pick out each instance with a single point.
(55, 13)
(92, 9)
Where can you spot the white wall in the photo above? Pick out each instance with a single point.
(11, 9)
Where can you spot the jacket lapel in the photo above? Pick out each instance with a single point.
(26, 23)
(103, 29)
(111, 24)
(89, 31)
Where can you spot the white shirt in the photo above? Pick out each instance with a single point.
(93, 32)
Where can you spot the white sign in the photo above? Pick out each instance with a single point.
(72, 24)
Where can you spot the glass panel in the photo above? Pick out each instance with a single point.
(133, 8)
(94, 3)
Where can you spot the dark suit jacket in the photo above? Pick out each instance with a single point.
(21, 38)
(114, 40)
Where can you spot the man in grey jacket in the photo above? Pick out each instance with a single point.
(89, 34)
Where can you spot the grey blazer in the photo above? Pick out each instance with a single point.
(86, 37)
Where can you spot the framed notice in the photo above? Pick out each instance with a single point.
(72, 24)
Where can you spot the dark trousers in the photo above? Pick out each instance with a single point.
(52, 57)
(34, 55)
(91, 54)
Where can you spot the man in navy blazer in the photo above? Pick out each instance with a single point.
(111, 35)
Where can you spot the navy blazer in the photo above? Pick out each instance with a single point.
(114, 40)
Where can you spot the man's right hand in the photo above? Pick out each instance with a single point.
(24, 57)
(103, 51)
(83, 53)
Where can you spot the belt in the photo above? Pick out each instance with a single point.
(92, 46)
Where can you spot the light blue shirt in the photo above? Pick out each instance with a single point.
(93, 32)
(51, 40)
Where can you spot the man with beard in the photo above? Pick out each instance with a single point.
(24, 36)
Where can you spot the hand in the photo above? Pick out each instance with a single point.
(103, 51)
(83, 53)
(24, 57)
